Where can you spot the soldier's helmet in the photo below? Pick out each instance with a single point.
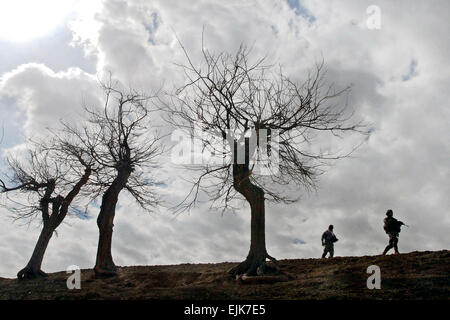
(389, 213)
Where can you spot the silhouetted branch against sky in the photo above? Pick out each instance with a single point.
(120, 133)
(236, 95)
(47, 174)
(53, 53)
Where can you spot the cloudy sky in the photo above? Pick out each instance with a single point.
(52, 52)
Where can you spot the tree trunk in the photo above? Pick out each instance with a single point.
(33, 268)
(60, 206)
(255, 263)
(104, 265)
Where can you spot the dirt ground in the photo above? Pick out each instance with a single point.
(416, 275)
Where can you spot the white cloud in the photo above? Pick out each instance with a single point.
(403, 165)
(22, 20)
(46, 97)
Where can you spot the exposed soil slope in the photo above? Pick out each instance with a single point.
(416, 275)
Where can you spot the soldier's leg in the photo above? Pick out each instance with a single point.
(331, 251)
(325, 251)
(395, 244)
(389, 246)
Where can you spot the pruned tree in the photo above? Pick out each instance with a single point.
(267, 123)
(119, 139)
(44, 183)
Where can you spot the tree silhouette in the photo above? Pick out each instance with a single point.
(117, 136)
(266, 123)
(45, 182)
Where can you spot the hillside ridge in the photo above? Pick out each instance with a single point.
(414, 275)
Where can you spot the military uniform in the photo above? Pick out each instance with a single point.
(329, 238)
(392, 228)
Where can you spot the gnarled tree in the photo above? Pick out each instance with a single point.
(45, 182)
(267, 123)
(119, 139)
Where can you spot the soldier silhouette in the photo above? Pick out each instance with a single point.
(328, 240)
(392, 228)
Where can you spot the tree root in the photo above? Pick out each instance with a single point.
(273, 260)
(256, 267)
(31, 273)
(101, 273)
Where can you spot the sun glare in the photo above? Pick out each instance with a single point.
(24, 20)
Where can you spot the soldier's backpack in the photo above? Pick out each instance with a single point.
(392, 225)
(334, 239)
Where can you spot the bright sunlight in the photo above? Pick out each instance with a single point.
(24, 20)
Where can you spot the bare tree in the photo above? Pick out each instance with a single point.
(118, 138)
(46, 183)
(240, 102)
